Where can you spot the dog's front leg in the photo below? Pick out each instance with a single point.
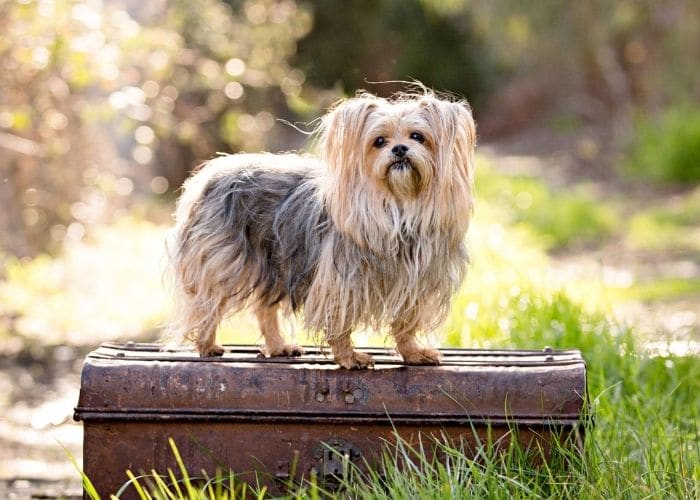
(345, 354)
(413, 353)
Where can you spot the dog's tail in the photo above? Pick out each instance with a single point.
(172, 332)
(180, 327)
(197, 266)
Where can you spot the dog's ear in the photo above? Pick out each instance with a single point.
(455, 136)
(341, 130)
(341, 146)
(454, 129)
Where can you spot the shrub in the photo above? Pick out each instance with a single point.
(667, 148)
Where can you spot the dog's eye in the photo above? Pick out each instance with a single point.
(418, 137)
(379, 142)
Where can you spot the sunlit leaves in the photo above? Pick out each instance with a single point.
(139, 94)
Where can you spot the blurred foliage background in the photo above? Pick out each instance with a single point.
(588, 177)
(104, 104)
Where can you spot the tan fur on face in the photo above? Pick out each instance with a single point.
(360, 197)
(370, 236)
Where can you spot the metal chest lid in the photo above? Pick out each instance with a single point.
(142, 382)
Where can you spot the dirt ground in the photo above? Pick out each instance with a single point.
(37, 431)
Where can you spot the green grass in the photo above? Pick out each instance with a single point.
(674, 226)
(660, 290)
(618, 461)
(566, 219)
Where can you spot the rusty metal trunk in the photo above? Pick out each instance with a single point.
(284, 419)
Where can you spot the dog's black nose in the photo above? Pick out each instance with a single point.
(399, 150)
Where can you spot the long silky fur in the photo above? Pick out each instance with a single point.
(321, 236)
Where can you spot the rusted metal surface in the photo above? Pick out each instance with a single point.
(272, 416)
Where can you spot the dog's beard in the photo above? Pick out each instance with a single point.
(403, 178)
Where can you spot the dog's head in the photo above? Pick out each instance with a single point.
(395, 161)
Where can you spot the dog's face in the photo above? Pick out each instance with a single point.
(399, 150)
(392, 160)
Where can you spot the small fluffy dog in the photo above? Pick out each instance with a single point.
(369, 234)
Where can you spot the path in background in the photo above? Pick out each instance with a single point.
(37, 431)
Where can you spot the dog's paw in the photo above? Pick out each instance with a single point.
(211, 351)
(355, 361)
(422, 356)
(283, 350)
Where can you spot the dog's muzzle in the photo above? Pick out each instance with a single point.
(401, 164)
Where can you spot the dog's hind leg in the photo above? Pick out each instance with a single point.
(207, 324)
(275, 345)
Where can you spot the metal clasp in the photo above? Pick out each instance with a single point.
(333, 458)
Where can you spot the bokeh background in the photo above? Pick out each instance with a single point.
(588, 167)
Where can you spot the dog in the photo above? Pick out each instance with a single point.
(367, 234)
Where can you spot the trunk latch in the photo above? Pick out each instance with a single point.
(333, 458)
